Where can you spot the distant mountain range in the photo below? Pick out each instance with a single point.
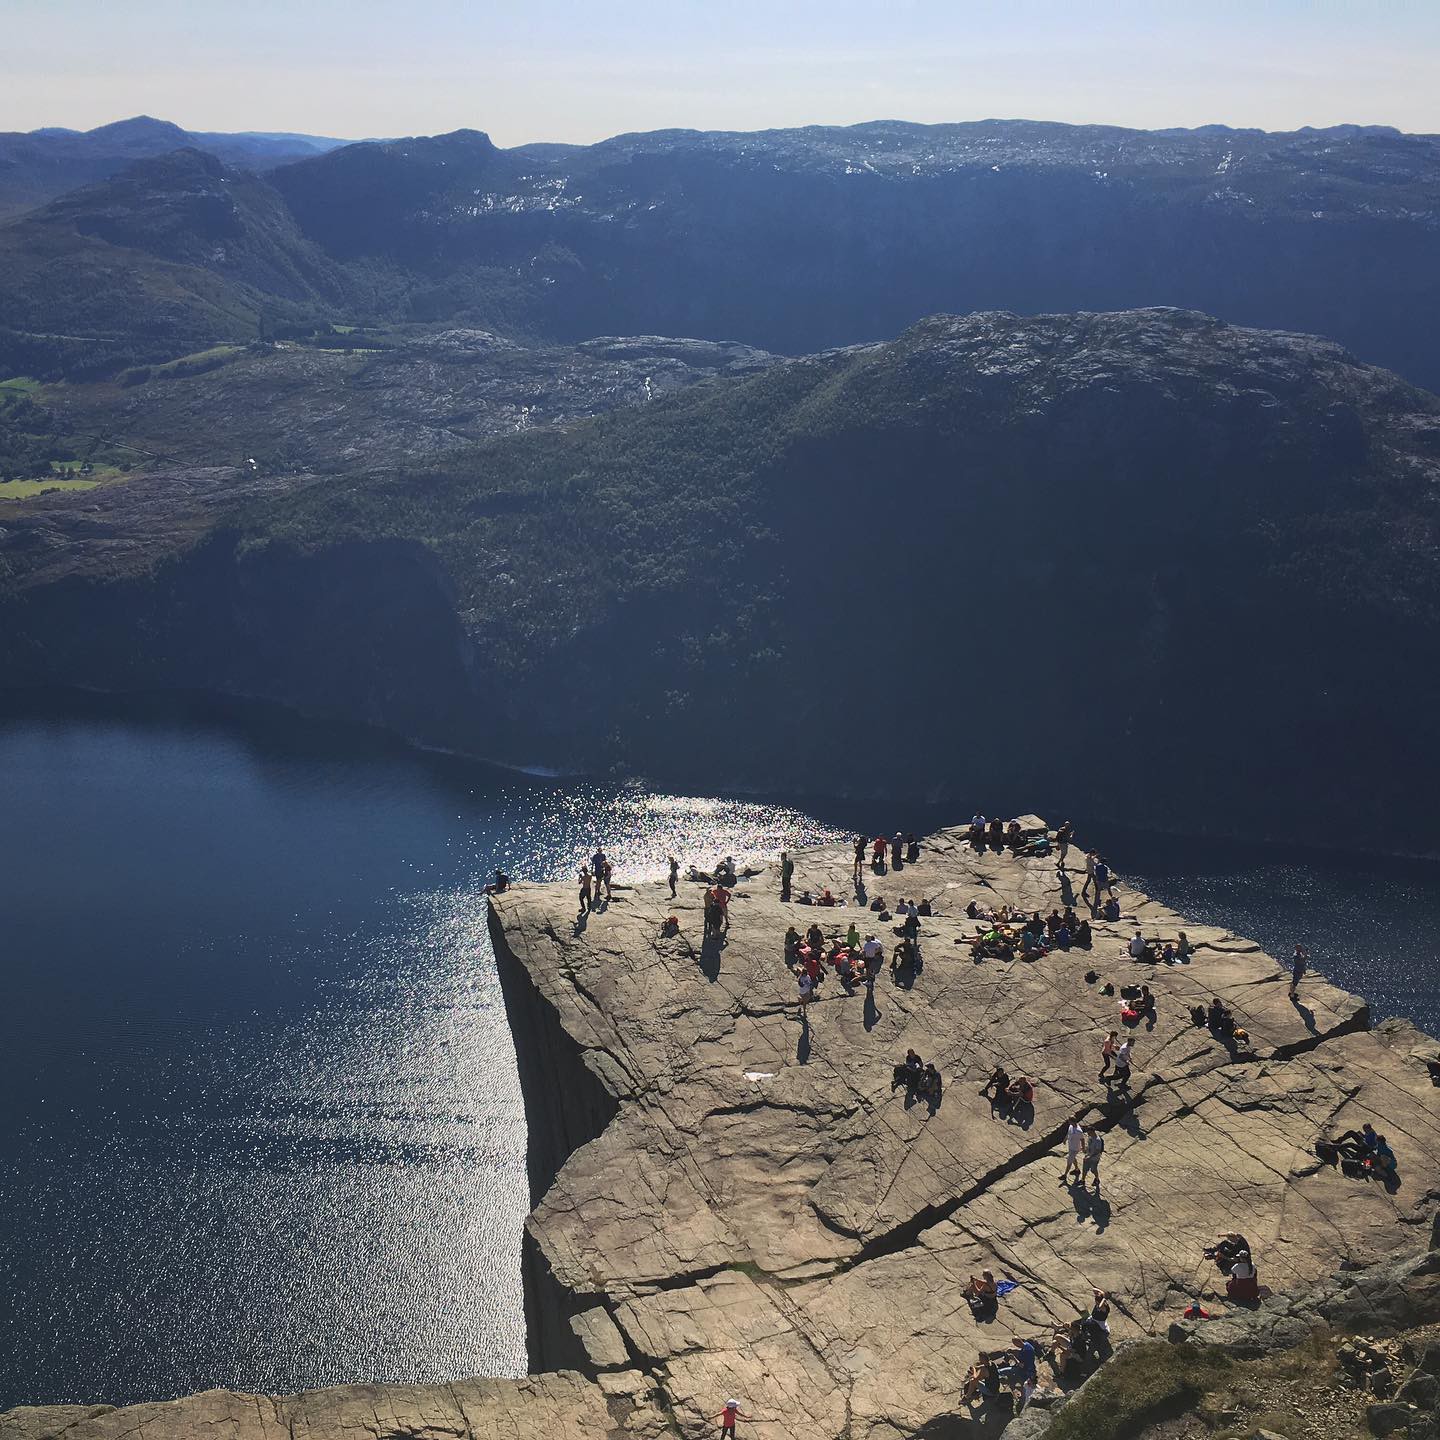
(38, 165)
(789, 240)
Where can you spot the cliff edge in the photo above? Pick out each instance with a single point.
(733, 1201)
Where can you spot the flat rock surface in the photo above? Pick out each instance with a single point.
(766, 1218)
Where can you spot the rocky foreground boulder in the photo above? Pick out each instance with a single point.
(732, 1200)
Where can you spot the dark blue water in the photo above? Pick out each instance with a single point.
(260, 1125)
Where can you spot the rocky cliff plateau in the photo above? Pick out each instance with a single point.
(730, 1200)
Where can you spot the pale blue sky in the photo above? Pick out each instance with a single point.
(567, 70)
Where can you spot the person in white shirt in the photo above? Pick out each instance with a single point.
(1121, 1078)
(1074, 1144)
(1139, 947)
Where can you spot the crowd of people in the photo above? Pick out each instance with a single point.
(1004, 932)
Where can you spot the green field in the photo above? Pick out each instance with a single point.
(16, 386)
(25, 489)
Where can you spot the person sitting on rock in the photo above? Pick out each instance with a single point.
(1226, 1249)
(924, 909)
(1219, 1018)
(1021, 1091)
(1013, 838)
(500, 884)
(792, 945)
(1244, 1282)
(997, 834)
(976, 833)
(972, 910)
(982, 1293)
(1063, 938)
(1084, 936)
(1184, 949)
(908, 1073)
(873, 953)
(826, 898)
(1383, 1165)
(1110, 910)
(997, 1085)
(1019, 1366)
(1139, 947)
(1167, 954)
(1359, 1144)
(903, 957)
(930, 1086)
(983, 1381)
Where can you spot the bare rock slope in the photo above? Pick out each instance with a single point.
(732, 1201)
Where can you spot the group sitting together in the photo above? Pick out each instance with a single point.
(918, 1077)
(1232, 1257)
(998, 835)
(1074, 1349)
(1362, 1154)
(853, 962)
(1006, 1092)
(1220, 1020)
(1034, 938)
(1177, 953)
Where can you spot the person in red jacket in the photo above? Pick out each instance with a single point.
(729, 1415)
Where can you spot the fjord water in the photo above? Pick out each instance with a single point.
(261, 1125)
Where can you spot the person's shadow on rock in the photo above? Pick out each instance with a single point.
(802, 1050)
(1150, 1018)
(1090, 1205)
(581, 921)
(710, 957)
(933, 1102)
(1306, 1014)
(861, 896)
(872, 1010)
(1067, 890)
(1021, 1113)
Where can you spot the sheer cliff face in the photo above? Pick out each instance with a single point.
(1141, 565)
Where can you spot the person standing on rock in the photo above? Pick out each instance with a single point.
(1062, 844)
(859, 857)
(729, 1415)
(1090, 858)
(1074, 1144)
(1121, 1078)
(584, 889)
(897, 851)
(1094, 1149)
(787, 873)
(1107, 1052)
(674, 875)
(1299, 964)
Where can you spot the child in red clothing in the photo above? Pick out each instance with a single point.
(729, 1415)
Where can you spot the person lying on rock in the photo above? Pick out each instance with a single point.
(1359, 1144)
(1226, 1249)
(909, 1071)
